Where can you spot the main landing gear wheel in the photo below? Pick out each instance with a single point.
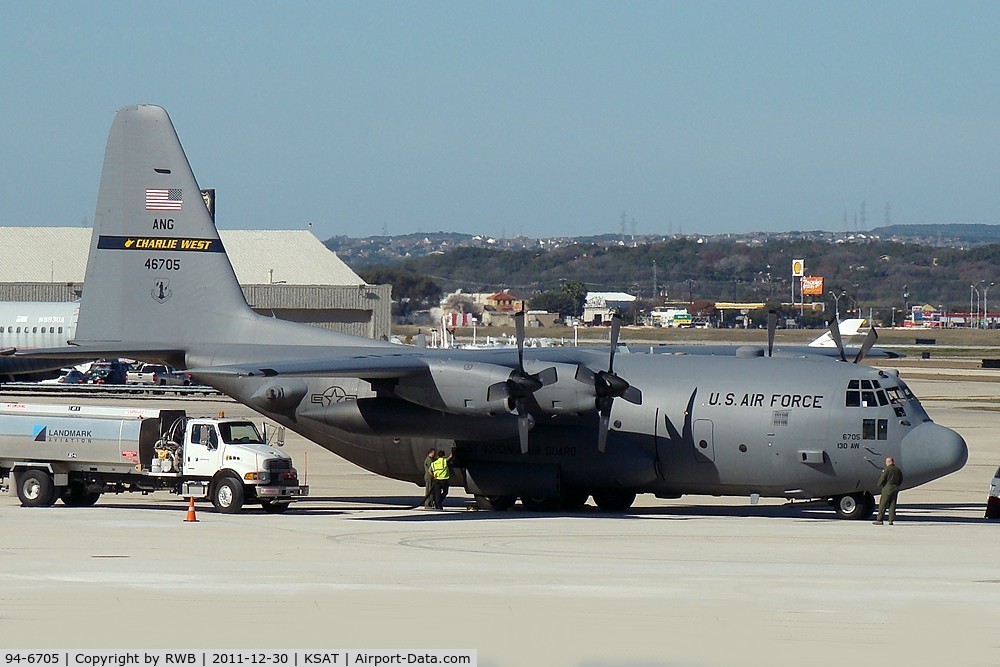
(854, 505)
(540, 503)
(35, 488)
(573, 499)
(495, 503)
(614, 500)
(228, 495)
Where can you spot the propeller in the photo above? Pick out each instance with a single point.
(608, 386)
(835, 335)
(521, 385)
(866, 346)
(772, 325)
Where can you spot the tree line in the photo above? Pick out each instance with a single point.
(878, 274)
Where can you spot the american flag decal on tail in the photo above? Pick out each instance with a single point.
(163, 199)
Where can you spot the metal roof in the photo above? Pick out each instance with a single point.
(260, 257)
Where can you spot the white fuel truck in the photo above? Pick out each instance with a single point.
(75, 453)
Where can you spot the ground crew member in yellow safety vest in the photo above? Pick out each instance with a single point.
(441, 470)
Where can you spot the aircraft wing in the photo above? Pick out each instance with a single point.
(782, 351)
(97, 351)
(365, 366)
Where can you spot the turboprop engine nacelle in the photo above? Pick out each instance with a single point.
(456, 386)
(567, 395)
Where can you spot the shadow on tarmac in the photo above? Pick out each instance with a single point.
(944, 513)
(462, 508)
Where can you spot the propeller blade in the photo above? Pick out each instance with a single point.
(584, 375)
(633, 395)
(498, 391)
(866, 346)
(519, 332)
(523, 425)
(548, 376)
(602, 430)
(772, 326)
(616, 328)
(835, 334)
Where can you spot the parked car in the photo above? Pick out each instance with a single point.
(69, 376)
(110, 371)
(993, 500)
(159, 375)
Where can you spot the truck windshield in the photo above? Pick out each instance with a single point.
(240, 433)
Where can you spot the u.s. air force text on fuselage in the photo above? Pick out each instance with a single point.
(757, 400)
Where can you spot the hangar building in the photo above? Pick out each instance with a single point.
(289, 274)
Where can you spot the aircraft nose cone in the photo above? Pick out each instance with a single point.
(930, 451)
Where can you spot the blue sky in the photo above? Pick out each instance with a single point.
(541, 119)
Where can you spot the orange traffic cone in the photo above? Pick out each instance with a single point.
(190, 515)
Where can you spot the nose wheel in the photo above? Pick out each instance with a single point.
(854, 505)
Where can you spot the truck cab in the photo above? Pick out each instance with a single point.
(216, 450)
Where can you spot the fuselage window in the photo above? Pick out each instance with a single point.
(882, 400)
(868, 399)
(60, 329)
(34, 329)
(853, 399)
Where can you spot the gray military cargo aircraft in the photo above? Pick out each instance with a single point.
(551, 426)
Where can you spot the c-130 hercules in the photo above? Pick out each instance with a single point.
(551, 426)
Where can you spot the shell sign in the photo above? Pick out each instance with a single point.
(798, 268)
(812, 285)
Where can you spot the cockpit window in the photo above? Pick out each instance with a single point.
(870, 394)
(853, 397)
(894, 394)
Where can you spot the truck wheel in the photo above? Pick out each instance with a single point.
(35, 488)
(77, 495)
(274, 506)
(228, 495)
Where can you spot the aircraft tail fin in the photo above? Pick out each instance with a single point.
(158, 275)
(848, 328)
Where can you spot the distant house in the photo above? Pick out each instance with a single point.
(504, 303)
(600, 306)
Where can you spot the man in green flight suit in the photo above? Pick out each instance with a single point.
(429, 480)
(888, 484)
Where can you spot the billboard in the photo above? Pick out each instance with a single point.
(812, 285)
